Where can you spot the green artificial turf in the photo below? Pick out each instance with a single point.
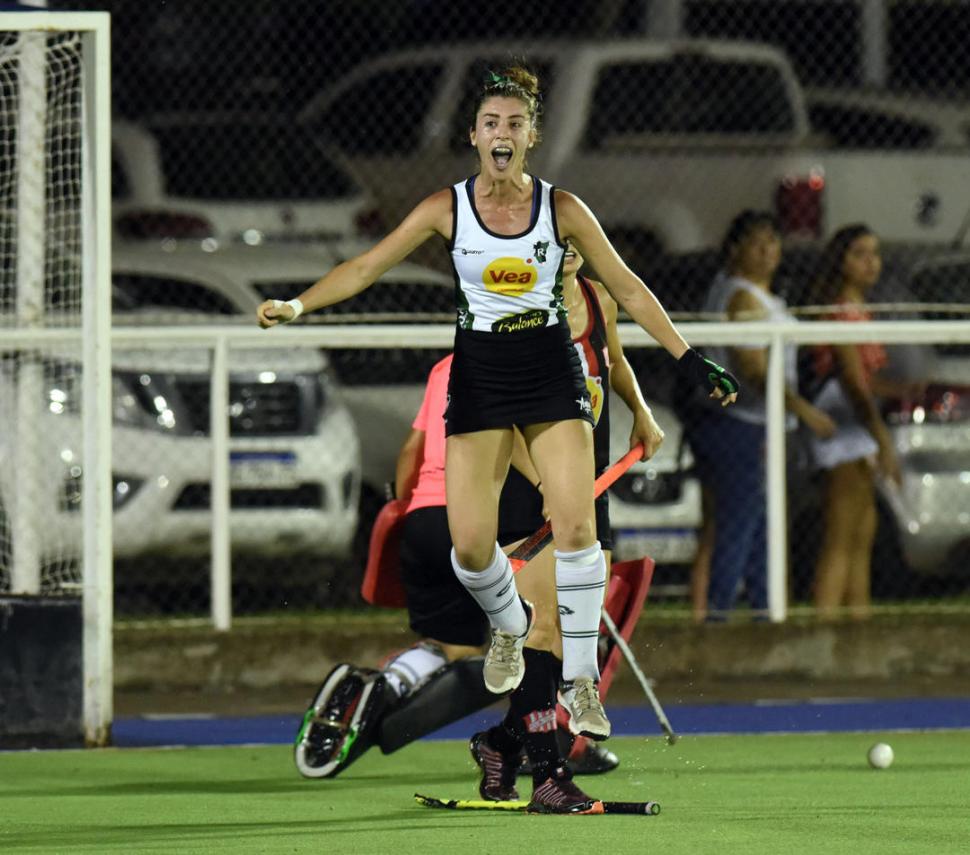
(738, 794)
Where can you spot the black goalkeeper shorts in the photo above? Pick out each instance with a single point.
(439, 607)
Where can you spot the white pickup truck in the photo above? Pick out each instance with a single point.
(665, 140)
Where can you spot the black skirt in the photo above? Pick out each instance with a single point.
(514, 379)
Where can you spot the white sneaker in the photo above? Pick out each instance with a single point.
(581, 698)
(504, 665)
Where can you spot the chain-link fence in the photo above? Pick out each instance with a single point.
(257, 144)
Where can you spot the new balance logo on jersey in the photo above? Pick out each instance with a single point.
(526, 321)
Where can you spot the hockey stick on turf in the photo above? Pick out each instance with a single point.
(644, 683)
(540, 539)
(635, 808)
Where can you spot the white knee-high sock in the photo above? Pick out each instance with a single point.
(494, 590)
(580, 586)
(408, 670)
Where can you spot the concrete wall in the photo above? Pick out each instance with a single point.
(263, 654)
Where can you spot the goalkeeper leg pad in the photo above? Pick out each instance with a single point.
(452, 692)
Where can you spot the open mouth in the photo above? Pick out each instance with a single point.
(501, 154)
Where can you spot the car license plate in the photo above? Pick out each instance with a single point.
(665, 546)
(262, 469)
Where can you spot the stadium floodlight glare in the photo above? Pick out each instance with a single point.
(55, 291)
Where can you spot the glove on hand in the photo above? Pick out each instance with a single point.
(705, 373)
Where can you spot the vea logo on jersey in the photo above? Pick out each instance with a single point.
(510, 277)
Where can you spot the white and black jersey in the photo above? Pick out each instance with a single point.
(514, 361)
(505, 283)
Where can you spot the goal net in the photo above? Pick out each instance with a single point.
(55, 473)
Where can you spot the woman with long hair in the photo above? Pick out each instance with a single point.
(861, 447)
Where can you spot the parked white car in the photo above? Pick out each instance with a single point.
(234, 178)
(294, 449)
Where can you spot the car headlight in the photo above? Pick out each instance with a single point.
(123, 490)
(649, 487)
(132, 403)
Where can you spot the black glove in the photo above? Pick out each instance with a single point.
(702, 372)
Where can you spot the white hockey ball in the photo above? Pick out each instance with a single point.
(881, 756)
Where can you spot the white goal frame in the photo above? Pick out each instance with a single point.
(94, 337)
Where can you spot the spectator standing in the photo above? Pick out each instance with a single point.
(729, 446)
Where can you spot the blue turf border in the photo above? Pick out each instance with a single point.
(777, 717)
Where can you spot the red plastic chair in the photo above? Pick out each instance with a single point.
(625, 596)
(382, 576)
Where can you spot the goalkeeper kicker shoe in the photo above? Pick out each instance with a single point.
(342, 722)
(498, 770)
(581, 698)
(504, 665)
(583, 756)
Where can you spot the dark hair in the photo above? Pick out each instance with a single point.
(742, 226)
(516, 81)
(828, 274)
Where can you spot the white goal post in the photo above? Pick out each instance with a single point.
(55, 310)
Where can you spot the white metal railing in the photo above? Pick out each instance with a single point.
(222, 339)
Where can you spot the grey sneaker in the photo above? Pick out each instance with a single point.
(504, 665)
(581, 698)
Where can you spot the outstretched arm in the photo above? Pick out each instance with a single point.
(430, 217)
(577, 223)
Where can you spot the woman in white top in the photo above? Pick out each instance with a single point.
(515, 365)
(729, 445)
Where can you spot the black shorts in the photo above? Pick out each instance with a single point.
(521, 378)
(520, 512)
(439, 607)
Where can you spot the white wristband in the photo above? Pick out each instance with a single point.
(294, 304)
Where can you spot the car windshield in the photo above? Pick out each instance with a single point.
(382, 114)
(857, 127)
(692, 95)
(233, 162)
(134, 292)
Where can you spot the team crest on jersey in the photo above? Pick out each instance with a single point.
(594, 385)
(539, 250)
(530, 320)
